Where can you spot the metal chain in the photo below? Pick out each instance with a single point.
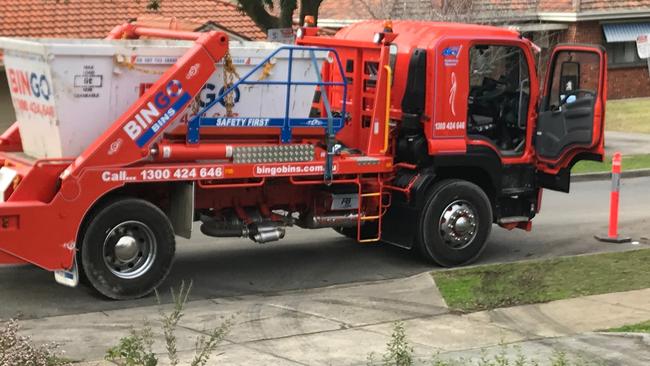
(229, 73)
(125, 61)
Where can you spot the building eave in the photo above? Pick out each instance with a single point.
(565, 17)
(539, 27)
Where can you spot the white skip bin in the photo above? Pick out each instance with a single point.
(67, 92)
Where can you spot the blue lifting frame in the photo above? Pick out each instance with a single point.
(331, 124)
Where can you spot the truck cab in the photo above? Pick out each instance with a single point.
(469, 106)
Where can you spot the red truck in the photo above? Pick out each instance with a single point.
(420, 134)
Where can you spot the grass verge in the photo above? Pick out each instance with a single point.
(500, 285)
(643, 327)
(630, 162)
(628, 115)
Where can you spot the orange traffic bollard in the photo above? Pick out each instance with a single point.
(612, 235)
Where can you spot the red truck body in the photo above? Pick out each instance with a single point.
(421, 135)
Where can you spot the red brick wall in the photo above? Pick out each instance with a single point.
(626, 82)
(585, 32)
(629, 82)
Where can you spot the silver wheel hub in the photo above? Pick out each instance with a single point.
(126, 248)
(129, 249)
(458, 224)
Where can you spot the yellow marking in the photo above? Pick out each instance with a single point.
(370, 218)
(389, 78)
(369, 240)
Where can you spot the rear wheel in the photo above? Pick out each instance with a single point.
(455, 223)
(127, 249)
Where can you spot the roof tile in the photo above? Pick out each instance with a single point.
(95, 18)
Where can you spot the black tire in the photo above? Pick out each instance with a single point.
(458, 204)
(127, 249)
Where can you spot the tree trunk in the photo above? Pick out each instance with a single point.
(287, 8)
(255, 9)
(309, 7)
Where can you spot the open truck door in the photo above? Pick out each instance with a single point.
(570, 125)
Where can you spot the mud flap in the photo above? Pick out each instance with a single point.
(69, 277)
(7, 176)
(181, 213)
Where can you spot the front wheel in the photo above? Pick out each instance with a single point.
(127, 249)
(455, 223)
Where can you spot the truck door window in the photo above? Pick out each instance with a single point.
(575, 78)
(499, 97)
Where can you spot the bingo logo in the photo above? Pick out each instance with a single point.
(29, 84)
(157, 113)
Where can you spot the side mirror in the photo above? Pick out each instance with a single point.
(569, 78)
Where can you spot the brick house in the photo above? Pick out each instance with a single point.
(614, 24)
(95, 18)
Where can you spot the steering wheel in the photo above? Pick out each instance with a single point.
(576, 93)
(491, 90)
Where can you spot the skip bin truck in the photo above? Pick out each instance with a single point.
(418, 134)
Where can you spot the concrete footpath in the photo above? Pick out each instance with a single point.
(627, 143)
(341, 325)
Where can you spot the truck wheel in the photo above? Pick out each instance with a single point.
(455, 223)
(127, 249)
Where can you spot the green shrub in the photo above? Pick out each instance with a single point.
(137, 348)
(400, 353)
(134, 349)
(398, 350)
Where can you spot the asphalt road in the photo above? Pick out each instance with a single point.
(310, 259)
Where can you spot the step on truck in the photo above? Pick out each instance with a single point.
(418, 134)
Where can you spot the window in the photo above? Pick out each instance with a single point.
(499, 96)
(620, 40)
(623, 54)
(575, 77)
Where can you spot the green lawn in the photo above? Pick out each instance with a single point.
(630, 162)
(500, 285)
(634, 328)
(628, 115)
